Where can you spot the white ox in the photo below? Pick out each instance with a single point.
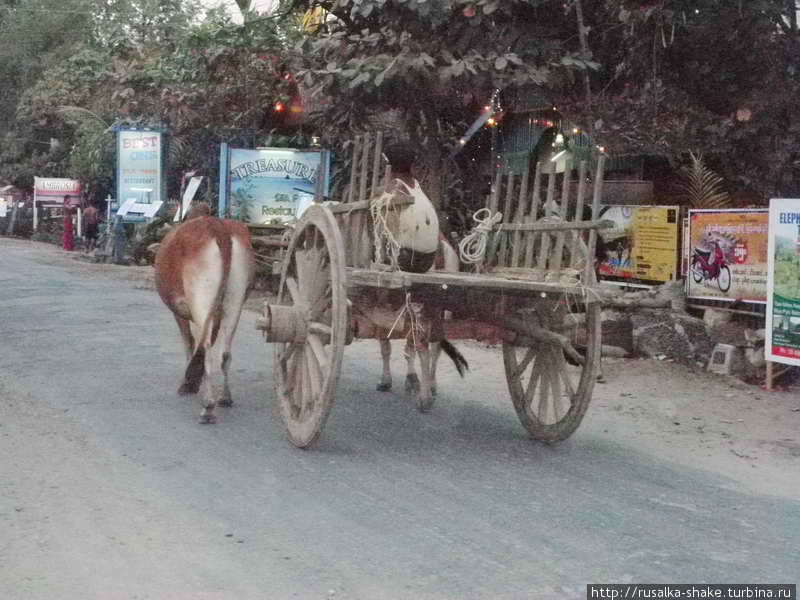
(414, 230)
(204, 270)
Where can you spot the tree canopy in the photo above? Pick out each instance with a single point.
(663, 78)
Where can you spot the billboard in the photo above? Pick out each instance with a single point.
(272, 185)
(783, 285)
(642, 245)
(728, 255)
(140, 173)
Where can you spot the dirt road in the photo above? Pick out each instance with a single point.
(109, 489)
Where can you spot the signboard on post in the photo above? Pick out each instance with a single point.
(728, 255)
(783, 285)
(140, 173)
(51, 191)
(271, 185)
(642, 245)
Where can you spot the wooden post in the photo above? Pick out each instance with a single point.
(376, 165)
(494, 201)
(530, 238)
(588, 276)
(579, 204)
(522, 206)
(559, 247)
(319, 184)
(13, 220)
(544, 250)
(770, 374)
(351, 197)
(504, 236)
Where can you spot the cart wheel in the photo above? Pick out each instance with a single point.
(310, 325)
(550, 395)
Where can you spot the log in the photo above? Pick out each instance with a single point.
(528, 334)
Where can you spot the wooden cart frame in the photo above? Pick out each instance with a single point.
(534, 292)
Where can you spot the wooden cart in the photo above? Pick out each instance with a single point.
(534, 293)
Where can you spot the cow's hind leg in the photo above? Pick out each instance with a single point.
(386, 354)
(193, 375)
(226, 399)
(235, 296)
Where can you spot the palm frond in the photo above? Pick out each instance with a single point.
(703, 187)
(82, 116)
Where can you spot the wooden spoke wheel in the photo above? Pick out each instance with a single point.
(549, 393)
(309, 325)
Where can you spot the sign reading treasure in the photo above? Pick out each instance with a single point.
(272, 185)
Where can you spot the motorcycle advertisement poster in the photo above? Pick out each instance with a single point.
(783, 304)
(642, 245)
(728, 255)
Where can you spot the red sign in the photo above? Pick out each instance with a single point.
(740, 252)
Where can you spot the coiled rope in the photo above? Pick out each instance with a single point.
(472, 248)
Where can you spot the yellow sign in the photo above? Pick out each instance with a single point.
(642, 245)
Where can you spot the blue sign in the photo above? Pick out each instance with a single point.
(271, 185)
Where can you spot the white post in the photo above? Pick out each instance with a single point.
(35, 215)
(80, 222)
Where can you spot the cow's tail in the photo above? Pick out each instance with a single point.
(458, 359)
(208, 334)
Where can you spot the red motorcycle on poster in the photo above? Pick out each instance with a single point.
(709, 264)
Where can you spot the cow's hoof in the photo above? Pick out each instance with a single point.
(384, 387)
(226, 399)
(208, 419)
(412, 384)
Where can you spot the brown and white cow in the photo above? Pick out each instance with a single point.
(204, 270)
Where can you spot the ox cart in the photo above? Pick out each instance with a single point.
(533, 290)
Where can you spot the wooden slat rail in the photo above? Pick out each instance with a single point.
(364, 205)
(555, 249)
(447, 281)
(369, 175)
(569, 226)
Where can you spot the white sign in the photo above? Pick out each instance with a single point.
(783, 282)
(53, 189)
(131, 210)
(139, 173)
(3, 207)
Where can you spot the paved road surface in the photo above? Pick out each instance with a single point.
(109, 489)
